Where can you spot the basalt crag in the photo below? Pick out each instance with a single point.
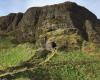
(64, 24)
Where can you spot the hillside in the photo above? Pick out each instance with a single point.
(54, 42)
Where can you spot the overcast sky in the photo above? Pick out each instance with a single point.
(8, 6)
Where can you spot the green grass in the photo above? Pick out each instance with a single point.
(74, 65)
(5, 43)
(15, 56)
(89, 71)
(67, 66)
(72, 56)
(22, 79)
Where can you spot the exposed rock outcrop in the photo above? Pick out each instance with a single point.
(41, 21)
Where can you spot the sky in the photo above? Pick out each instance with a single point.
(14, 6)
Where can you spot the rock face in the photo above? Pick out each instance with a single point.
(39, 24)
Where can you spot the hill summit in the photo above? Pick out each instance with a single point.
(65, 26)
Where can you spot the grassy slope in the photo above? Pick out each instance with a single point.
(62, 66)
(75, 66)
(13, 55)
(65, 66)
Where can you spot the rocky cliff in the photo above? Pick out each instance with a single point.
(62, 24)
